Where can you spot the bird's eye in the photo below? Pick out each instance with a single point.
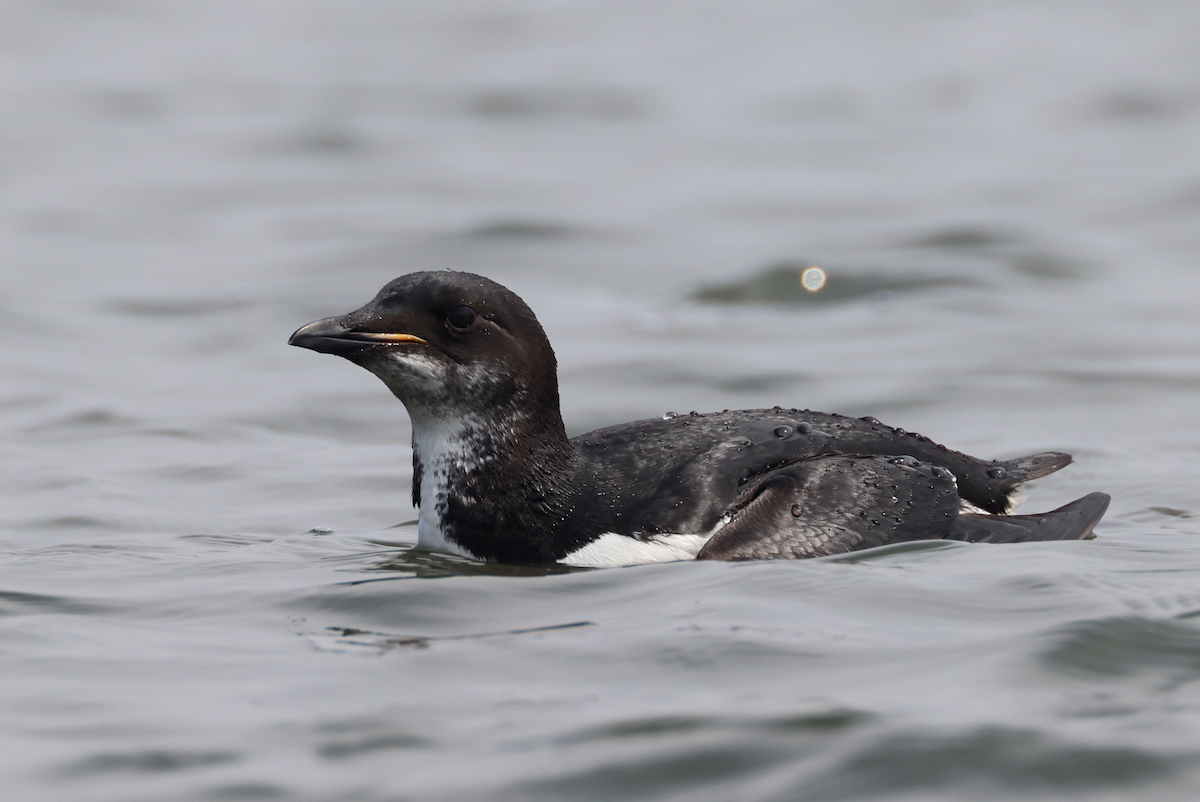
(461, 317)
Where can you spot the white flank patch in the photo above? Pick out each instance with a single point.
(610, 550)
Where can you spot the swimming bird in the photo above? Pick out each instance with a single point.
(496, 478)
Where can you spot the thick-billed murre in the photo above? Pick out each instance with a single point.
(496, 478)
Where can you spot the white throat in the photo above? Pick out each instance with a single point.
(445, 449)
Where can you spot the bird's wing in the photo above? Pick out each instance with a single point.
(834, 504)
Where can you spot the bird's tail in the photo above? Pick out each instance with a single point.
(1073, 521)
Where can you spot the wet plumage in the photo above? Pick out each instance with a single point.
(496, 477)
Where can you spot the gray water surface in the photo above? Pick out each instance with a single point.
(206, 583)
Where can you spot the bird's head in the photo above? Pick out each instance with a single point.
(447, 344)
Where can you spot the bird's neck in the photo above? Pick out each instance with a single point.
(492, 486)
